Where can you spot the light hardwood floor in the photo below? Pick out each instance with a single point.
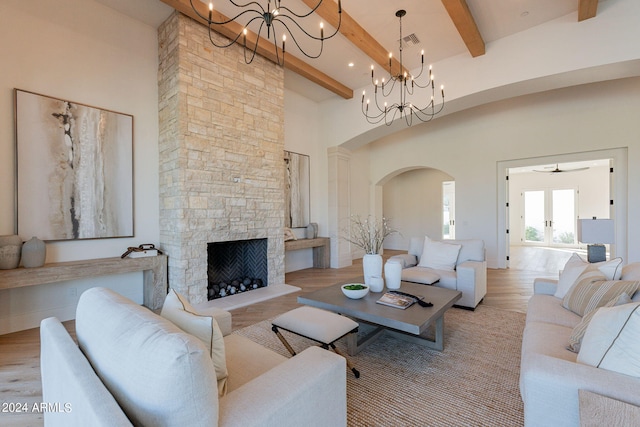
(508, 289)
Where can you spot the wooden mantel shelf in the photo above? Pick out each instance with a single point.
(154, 270)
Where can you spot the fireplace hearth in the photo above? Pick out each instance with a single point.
(235, 267)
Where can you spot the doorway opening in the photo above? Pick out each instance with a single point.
(545, 202)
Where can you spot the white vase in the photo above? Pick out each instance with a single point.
(393, 274)
(371, 266)
(376, 284)
(10, 250)
(34, 253)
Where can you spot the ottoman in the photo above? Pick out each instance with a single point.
(321, 326)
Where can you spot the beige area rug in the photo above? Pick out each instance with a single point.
(473, 382)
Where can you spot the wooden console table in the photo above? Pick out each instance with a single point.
(154, 274)
(321, 249)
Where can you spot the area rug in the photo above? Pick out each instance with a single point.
(473, 382)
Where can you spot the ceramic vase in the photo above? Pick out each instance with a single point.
(10, 251)
(393, 274)
(376, 284)
(34, 253)
(371, 266)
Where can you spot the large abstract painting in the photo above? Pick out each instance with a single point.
(75, 169)
(297, 183)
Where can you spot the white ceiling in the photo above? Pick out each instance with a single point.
(427, 19)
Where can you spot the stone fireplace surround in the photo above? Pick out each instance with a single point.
(221, 149)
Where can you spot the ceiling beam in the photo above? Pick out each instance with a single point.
(463, 20)
(328, 10)
(587, 9)
(265, 47)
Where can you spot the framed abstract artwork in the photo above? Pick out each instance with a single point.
(297, 188)
(74, 169)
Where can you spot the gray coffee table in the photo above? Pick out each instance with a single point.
(409, 324)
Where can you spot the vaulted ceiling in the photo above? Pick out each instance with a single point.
(370, 30)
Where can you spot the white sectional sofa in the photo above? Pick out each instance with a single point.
(463, 269)
(133, 367)
(551, 375)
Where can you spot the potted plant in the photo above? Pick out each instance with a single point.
(369, 234)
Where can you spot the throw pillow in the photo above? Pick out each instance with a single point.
(592, 291)
(611, 269)
(439, 255)
(177, 309)
(631, 271)
(574, 267)
(612, 340)
(575, 340)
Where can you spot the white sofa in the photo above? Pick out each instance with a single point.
(550, 376)
(468, 273)
(133, 367)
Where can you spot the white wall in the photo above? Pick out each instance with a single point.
(413, 205)
(82, 51)
(469, 144)
(301, 135)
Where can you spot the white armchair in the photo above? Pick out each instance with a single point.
(452, 264)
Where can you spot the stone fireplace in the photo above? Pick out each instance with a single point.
(221, 149)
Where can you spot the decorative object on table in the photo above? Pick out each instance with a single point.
(369, 234)
(409, 106)
(376, 284)
(393, 274)
(297, 190)
(34, 253)
(274, 19)
(74, 169)
(597, 232)
(10, 251)
(312, 230)
(355, 290)
(371, 267)
(142, 251)
(396, 301)
(288, 234)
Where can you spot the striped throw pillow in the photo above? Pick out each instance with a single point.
(575, 340)
(592, 291)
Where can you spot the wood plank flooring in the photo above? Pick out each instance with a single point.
(508, 289)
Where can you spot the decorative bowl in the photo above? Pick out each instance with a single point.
(355, 290)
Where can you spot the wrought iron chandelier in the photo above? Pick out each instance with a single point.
(275, 19)
(407, 83)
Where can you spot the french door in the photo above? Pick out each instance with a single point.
(550, 217)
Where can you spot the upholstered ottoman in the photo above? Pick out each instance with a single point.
(321, 326)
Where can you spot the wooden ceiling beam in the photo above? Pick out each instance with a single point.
(587, 9)
(463, 20)
(357, 35)
(265, 47)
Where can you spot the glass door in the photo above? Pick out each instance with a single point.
(550, 217)
(449, 210)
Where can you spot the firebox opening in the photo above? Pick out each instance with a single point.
(236, 266)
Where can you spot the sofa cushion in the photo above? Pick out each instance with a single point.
(158, 374)
(247, 360)
(541, 338)
(549, 309)
(439, 255)
(612, 340)
(576, 266)
(177, 309)
(423, 275)
(575, 340)
(592, 292)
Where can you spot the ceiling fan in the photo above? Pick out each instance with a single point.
(558, 170)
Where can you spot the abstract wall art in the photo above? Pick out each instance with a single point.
(74, 169)
(297, 183)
